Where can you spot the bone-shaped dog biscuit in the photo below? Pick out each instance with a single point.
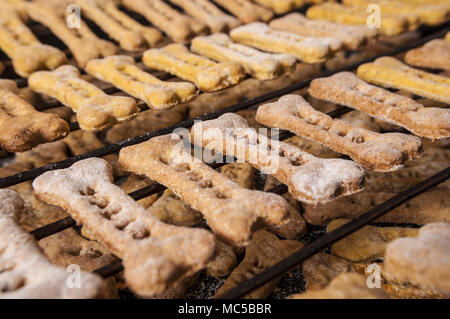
(263, 66)
(124, 74)
(24, 270)
(309, 50)
(177, 26)
(347, 89)
(391, 73)
(206, 74)
(28, 55)
(155, 255)
(309, 178)
(231, 211)
(281, 6)
(95, 109)
(434, 54)
(352, 36)
(129, 33)
(246, 10)
(424, 260)
(21, 126)
(390, 24)
(209, 14)
(81, 41)
(380, 152)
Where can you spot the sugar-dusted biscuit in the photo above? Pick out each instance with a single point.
(352, 36)
(26, 272)
(21, 126)
(95, 109)
(391, 73)
(434, 54)
(130, 34)
(28, 55)
(345, 286)
(391, 24)
(177, 26)
(246, 11)
(82, 42)
(430, 14)
(263, 66)
(424, 260)
(380, 152)
(347, 89)
(432, 206)
(281, 6)
(206, 74)
(156, 256)
(306, 49)
(368, 243)
(123, 73)
(264, 251)
(310, 179)
(231, 211)
(207, 13)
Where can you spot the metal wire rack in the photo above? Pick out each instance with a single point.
(278, 269)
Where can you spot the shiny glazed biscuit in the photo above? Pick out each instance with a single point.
(432, 206)
(21, 126)
(156, 256)
(129, 33)
(391, 24)
(177, 26)
(367, 244)
(122, 72)
(424, 260)
(25, 271)
(231, 211)
(95, 109)
(434, 54)
(206, 74)
(352, 37)
(246, 11)
(380, 152)
(28, 55)
(391, 73)
(82, 42)
(309, 178)
(209, 14)
(281, 6)
(263, 66)
(264, 251)
(347, 89)
(306, 49)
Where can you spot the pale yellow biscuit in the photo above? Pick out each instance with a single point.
(281, 6)
(246, 11)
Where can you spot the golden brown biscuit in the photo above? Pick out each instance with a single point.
(380, 152)
(345, 88)
(231, 211)
(307, 49)
(224, 261)
(156, 256)
(21, 126)
(130, 34)
(434, 54)
(264, 251)
(28, 55)
(123, 73)
(95, 109)
(44, 154)
(246, 11)
(367, 244)
(206, 74)
(391, 73)
(263, 66)
(207, 13)
(281, 6)
(136, 182)
(424, 260)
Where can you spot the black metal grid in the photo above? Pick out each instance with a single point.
(286, 264)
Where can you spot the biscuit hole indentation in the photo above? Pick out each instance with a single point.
(87, 192)
(219, 194)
